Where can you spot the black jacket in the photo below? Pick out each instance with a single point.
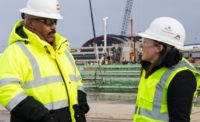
(181, 89)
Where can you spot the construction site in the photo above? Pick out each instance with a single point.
(110, 68)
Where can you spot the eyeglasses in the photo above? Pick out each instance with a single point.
(46, 21)
(148, 42)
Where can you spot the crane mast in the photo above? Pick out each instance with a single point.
(126, 18)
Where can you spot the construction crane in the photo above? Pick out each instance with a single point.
(124, 28)
(126, 18)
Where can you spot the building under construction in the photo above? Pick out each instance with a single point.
(118, 50)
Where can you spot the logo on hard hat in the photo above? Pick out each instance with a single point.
(178, 37)
(58, 7)
(168, 30)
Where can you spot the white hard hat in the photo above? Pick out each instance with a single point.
(167, 30)
(43, 8)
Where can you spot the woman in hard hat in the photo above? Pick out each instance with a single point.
(168, 81)
(39, 81)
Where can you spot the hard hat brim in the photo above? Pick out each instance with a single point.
(146, 35)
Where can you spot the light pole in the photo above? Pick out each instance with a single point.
(105, 20)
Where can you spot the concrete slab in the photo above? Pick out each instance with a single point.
(123, 112)
(111, 111)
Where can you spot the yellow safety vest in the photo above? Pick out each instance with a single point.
(151, 103)
(31, 67)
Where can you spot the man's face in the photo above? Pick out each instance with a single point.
(45, 28)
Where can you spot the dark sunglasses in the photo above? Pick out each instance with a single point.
(46, 21)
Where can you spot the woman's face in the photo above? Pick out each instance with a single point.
(150, 50)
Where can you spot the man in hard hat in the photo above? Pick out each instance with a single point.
(39, 81)
(168, 81)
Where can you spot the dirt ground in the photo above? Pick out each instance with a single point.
(109, 107)
(122, 112)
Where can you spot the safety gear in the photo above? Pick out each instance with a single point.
(167, 30)
(151, 103)
(46, 21)
(37, 70)
(43, 8)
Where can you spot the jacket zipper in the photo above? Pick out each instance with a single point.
(62, 77)
(64, 83)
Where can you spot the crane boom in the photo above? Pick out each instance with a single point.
(126, 17)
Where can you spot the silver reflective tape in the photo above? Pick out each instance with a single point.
(161, 84)
(154, 114)
(71, 61)
(15, 101)
(43, 81)
(7, 81)
(73, 78)
(57, 105)
(34, 64)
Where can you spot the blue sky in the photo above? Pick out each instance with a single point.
(77, 26)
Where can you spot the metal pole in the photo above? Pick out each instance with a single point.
(92, 20)
(93, 27)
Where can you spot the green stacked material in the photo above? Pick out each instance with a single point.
(112, 78)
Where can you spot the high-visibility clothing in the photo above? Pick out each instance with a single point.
(31, 67)
(151, 103)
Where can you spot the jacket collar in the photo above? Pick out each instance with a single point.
(21, 33)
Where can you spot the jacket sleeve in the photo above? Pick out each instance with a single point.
(31, 110)
(82, 96)
(180, 96)
(12, 95)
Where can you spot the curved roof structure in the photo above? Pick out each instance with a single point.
(111, 39)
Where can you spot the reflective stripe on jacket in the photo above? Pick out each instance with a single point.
(31, 67)
(151, 104)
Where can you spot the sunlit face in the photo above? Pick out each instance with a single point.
(150, 50)
(45, 28)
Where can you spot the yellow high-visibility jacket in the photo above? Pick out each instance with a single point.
(31, 67)
(151, 104)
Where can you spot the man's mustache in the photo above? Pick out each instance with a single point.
(52, 32)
